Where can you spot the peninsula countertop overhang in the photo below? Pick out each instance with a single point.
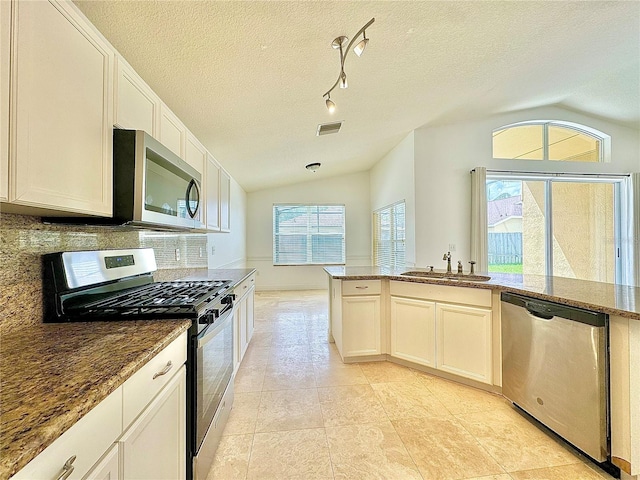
(613, 299)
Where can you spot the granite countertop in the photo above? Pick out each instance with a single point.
(54, 373)
(621, 300)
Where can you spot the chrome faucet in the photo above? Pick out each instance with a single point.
(447, 257)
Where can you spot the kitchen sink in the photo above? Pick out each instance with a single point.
(448, 276)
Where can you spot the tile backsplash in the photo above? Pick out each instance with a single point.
(24, 239)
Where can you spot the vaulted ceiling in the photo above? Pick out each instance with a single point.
(248, 77)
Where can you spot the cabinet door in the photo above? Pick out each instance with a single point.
(242, 327)
(225, 201)
(136, 106)
(361, 326)
(413, 330)
(212, 189)
(5, 44)
(62, 115)
(154, 447)
(172, 131)
(108, 468)
(250, 318)
(464, 341)
(195, 154)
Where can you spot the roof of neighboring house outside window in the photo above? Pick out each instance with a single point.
(501, 209)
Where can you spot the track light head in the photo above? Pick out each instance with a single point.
(343, 80)
(330, 105)
(359, 48)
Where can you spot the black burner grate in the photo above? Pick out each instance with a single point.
(161, 299)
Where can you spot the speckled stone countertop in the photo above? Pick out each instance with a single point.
(53, 374)
(622, 300)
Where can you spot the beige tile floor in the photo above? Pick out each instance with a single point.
(300, 413)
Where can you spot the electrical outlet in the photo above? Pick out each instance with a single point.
(200, 252)
(177, 254)
(213, 249)
(452, 247)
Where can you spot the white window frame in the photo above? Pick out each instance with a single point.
(394, 261)
(309, 235)
(548, 179)
(605, 140)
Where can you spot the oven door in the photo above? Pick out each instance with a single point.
(213, 370)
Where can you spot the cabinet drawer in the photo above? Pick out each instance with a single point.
(244, 286)
(361, 287)
(87, 439)
(442, 293)
(140, 389)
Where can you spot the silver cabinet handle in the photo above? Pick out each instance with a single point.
(164, 371)
(362, 287)
(67, 468)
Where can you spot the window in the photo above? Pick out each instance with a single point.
(561, 225)
(555, 141)
(308, 235)
(389, 236)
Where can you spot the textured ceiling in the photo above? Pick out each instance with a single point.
(248, 77)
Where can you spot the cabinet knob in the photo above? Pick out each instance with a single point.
(67, 468)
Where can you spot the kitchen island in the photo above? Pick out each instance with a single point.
(452, 328)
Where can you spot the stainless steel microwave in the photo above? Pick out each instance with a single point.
(152, 186)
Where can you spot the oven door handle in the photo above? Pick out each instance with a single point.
(207, 335)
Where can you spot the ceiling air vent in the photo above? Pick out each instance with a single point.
(327, 128)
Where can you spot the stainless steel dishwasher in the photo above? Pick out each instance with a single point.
(554, 367)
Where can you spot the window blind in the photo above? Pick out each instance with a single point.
(389, 236)
(308, 235)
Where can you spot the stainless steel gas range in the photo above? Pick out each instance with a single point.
(104, 285)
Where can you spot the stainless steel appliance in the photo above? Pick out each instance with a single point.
(118, 285)
(554, 367)
(152, 187)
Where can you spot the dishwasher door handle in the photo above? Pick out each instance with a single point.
(540, 311)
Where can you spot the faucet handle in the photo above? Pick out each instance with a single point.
(473, 264)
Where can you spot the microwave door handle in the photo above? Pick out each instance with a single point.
(193, 184)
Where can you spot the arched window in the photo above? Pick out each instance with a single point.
(551, 140)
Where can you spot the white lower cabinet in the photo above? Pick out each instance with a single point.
(413, 330)
(154, 446)
(446, 328)
(361, 326)
(464, 341)
(150, 407)
(244, 317)
(108, 468)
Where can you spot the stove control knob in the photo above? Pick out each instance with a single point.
(229, 298)
(208, 318)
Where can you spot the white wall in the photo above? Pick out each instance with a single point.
(228, 250)
(392, 180)
(444, 156)
(350, 190)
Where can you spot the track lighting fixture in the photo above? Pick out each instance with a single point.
(313, 167)
(339, 44)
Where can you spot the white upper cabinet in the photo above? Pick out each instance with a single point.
(212, 194)
(225, 201)
(5, 51)
(195, 153)
(173, 133)
(61, 111)
(136, 106)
